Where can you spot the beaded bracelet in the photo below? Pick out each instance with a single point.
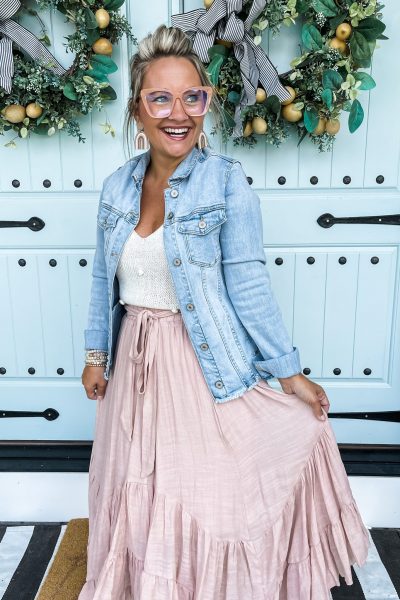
(96, 358)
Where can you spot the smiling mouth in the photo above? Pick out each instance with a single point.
(176, 133)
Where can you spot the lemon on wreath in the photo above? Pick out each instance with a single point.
(15, 113)
(261, 95)
(292, 96)
(343, 31)
(291, 113)
(339, 45)
(102, 17)
(225, 43)
(332, 126)
(320, 128)
(259, 125)
(248, 129)
(102, 46)
(33, 110)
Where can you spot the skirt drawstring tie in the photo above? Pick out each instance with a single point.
(142, 353)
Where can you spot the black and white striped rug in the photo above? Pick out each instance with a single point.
(27, 551)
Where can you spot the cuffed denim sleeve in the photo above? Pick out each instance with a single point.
(248, 281)
(96, 334)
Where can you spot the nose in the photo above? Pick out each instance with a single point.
(178, 112)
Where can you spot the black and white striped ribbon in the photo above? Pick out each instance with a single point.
(14, 32)
(220, 21)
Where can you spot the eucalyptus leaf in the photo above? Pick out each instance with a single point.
(96, 74)
(367, 82)
(104, 63)
(213, 68)
(336, 21)
(113, 4)
(218, 49)
(109, 93)
(69, 91)
(229, 121)
(311, 118)
(327, 97)
(360, 49)
(356, 116)
(331, 80)
(302, 6)
(311, 37)
(92, 35)
(303, 135)
(233, 97)
(326, 7)
(90, 19)
(371, 28)
(273, 104)
(42, 116)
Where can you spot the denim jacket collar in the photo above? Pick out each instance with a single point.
(183, 169)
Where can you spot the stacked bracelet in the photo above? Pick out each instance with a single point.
(96, 358)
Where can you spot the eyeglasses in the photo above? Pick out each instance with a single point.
(160, 103)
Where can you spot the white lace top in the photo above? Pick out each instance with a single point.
(143, 272)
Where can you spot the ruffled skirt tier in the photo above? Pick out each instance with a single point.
(195, 500)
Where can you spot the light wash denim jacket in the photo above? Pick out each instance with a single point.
(214, 247)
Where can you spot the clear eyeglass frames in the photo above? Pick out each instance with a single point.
(159, 103)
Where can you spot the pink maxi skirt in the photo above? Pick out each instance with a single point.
(194, 500)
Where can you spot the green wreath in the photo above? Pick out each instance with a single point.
(338, 38)
(37, 95)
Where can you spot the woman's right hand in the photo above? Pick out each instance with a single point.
(94, 383)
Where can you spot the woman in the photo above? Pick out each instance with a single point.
(205, 482)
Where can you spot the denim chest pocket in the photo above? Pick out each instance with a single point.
(200, 230)
(107, 219)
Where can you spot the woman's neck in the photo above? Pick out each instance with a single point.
(161, 167)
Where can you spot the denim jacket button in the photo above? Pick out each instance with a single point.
(218, 384)
(174, 193)
(202, 224)
(177, 262)
(170, 215)
(190, 306)
(204, 346)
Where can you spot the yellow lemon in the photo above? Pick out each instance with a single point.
(102, 18)
(332, 126)
(33, 110)
(224, 43)
(292, 94)
(15, 113)
(261, 95)
(102, 46)
(320, 128)
(248, 129)
(339, 45)
(259, 125)
(343, 31)
(291, 114)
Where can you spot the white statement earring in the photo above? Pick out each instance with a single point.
(141, 140)
(202, 141)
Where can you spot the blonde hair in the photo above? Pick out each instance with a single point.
(164, 41)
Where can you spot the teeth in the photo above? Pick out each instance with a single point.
(181, 130)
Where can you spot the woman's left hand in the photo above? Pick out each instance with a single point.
(310, 392)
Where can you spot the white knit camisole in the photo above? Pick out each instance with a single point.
(143, 273)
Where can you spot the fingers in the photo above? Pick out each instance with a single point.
(101, 390)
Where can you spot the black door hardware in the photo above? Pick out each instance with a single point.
(34, 223)
(327, 220)
(49, 413)
(393, 416)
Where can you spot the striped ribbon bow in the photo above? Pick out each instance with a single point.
(220, 21)
(14, 32)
